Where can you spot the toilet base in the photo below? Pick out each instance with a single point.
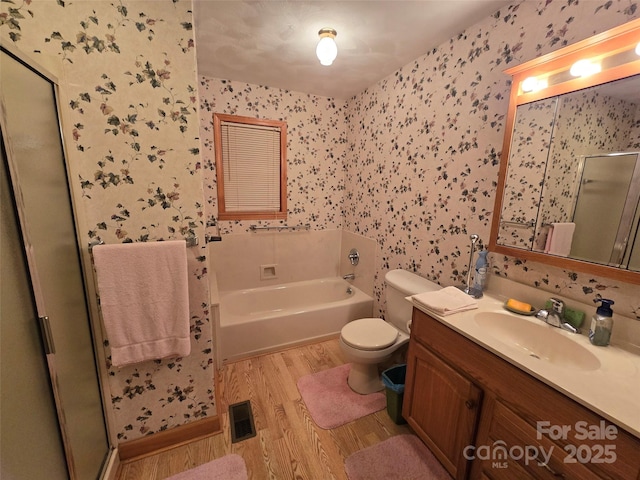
(364, 378)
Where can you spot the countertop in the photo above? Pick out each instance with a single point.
(613, 390)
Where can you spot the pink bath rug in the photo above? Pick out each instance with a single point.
(229, 467)
(331, 402)
(403, 457)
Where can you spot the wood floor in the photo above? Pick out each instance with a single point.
(288, 444)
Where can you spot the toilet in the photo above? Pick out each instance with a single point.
(369, 341)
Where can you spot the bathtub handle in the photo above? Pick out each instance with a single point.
(354, 257)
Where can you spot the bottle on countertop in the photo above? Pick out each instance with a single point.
(482, 265)
(602, 323)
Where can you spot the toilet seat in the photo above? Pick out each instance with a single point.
(369, 334)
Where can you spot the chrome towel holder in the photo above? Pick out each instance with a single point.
(192, 241)
(255, 228)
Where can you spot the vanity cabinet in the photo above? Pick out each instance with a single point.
(485, 418)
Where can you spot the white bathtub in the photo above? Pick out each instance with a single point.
(260, 320)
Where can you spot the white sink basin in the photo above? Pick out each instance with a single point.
(538, 340)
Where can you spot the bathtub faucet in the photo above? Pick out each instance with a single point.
(349, 276)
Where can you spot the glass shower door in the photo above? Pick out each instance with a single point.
(39, 178)
(605, 205)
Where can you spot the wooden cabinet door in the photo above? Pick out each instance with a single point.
(442, 406)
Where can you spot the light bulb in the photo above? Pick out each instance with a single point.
(327, 50)
(638, 49)
(533, 84)
(584, 68)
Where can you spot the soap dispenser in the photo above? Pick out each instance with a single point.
(480, 279)
(602, 323)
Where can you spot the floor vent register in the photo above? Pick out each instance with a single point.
(241, 420)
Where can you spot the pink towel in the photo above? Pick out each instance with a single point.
(144, 298)
(561, 238)
(547, 243)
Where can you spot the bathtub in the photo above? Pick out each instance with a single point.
(266, 319)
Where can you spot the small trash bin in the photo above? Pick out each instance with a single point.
(393, 380)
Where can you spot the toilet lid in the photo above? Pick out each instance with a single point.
(369, 334)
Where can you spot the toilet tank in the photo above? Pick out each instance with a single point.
(401, 284)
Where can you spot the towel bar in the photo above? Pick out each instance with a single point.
(191, 242)
(529, 224)
(255, 228)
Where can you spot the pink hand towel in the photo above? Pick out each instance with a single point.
(561, 238)
(144, 298)
(547, 243)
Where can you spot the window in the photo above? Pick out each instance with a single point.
(251, 167)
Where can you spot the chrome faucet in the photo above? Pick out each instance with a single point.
(555, 316)
(349, 276)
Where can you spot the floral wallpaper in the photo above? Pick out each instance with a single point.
(588, 123)
(562, 130)
(129, 102)
(316, 148)
(412, 162)
(634, 140)
(425, 147)
(532, 136)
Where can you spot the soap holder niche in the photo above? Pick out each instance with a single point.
(268, 272)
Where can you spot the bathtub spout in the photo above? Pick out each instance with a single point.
(349, 276)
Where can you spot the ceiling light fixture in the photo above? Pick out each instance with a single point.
(638, 49)
(327, 50)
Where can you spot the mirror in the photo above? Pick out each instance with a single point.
(569, 187)
(572, 160)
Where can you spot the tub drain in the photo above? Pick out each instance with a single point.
(534, 356)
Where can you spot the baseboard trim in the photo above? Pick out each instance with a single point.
(175, 437)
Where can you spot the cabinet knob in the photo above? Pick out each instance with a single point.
(470, 404)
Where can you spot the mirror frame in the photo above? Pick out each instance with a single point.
(605, 45)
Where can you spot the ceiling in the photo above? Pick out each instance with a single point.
(272, 43)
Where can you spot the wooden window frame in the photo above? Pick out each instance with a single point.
(281, 214)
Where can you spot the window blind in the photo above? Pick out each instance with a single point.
(251, 167)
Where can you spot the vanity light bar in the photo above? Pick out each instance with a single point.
(605, 56)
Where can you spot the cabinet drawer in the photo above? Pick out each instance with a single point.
(513, 441)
